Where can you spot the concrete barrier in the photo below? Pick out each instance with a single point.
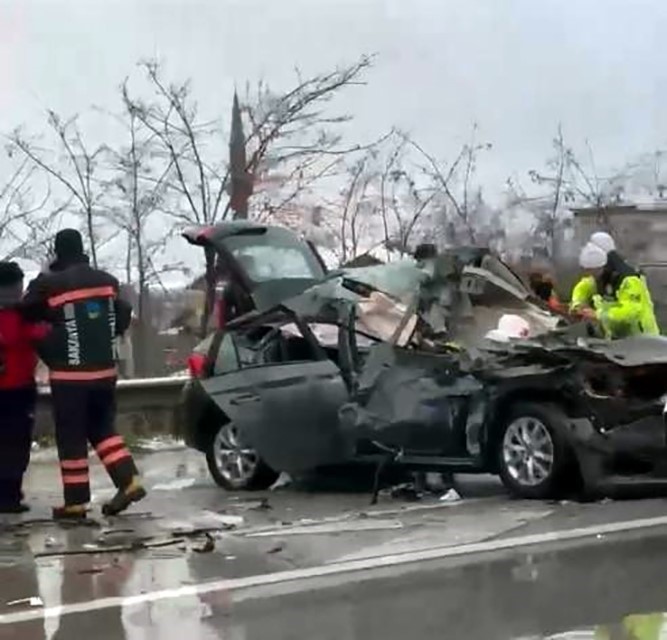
(145, 407)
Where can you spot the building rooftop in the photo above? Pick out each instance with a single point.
(644, 207)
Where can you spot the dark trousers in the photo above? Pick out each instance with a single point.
(17, 419)
(85, 412)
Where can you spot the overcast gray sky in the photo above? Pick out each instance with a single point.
(517, 67)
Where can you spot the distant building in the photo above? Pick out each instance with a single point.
(640, 231)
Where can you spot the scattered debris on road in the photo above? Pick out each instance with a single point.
(93, 549)
(406, 491)
(284, 480)
(253, 505)
(207, 547)
(34, 601)
(343, 526)
(451, 496)
(174, 485)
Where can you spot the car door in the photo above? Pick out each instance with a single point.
(287, 411)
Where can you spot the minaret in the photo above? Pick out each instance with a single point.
(240, 183)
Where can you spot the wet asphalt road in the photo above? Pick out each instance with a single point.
(565, 591)
(301, 530)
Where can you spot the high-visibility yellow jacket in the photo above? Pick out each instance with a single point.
(629, 312)
(634, 627)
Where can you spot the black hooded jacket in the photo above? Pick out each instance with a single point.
(615, 271)
(82, 305)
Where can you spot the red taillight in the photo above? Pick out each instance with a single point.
(197, 365)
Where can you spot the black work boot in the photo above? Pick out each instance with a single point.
(70, 512)
(11, 496)
(124, 498)
(17, 507)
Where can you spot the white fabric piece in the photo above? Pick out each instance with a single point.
(497, 336)
(603, 240)
(514, 326)
(592, 257)
(509, 326)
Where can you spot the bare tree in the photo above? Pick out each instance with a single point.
(137, 191)
(566, 181)
(198, 181)
(386, 201)
(403, 203)
(460, 200)
(295, 141)
(73, 166)
(549, 207)
(290, 140)
(357, 207)
(26, 220)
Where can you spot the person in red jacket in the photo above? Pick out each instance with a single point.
(18, 392)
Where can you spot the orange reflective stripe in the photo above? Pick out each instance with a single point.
(74, 465)
(82, 376)
(81, 294)
(78, 478)
(116, 456)
(109, 443)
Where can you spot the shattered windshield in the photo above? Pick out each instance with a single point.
(267, 257)
(398, 279)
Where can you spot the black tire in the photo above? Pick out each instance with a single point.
(261, 478)
(554, 419)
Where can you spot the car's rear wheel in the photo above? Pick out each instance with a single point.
(233, 465)
(533, 457)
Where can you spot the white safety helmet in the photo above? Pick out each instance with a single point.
(592, 257)
(603, 240)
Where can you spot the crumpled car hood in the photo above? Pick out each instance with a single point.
(631, 352)
(635, 351)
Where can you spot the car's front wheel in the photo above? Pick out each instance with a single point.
(233, 465)
(533, 457)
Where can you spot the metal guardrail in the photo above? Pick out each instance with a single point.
(138, 394)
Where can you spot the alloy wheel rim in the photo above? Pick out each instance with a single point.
(236, 463)
(528, 451)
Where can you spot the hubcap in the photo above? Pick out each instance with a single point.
(235, 462)
(528, 451)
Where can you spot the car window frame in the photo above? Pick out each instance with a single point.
(286, 318)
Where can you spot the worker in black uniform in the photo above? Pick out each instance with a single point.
(86, 316)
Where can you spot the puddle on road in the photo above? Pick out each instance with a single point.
(70, 579)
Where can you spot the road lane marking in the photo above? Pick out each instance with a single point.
(255, 587)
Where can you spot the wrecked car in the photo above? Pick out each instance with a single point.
(390, 365)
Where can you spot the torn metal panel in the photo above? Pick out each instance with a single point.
(385, 318)
(412, 408)
(630, 352)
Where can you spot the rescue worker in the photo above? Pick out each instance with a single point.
(425, 256)
(613, 293)
(18, 392)
(85, 311)
(543, 287)
(425, 251)
(616, 264)
(614, 274)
